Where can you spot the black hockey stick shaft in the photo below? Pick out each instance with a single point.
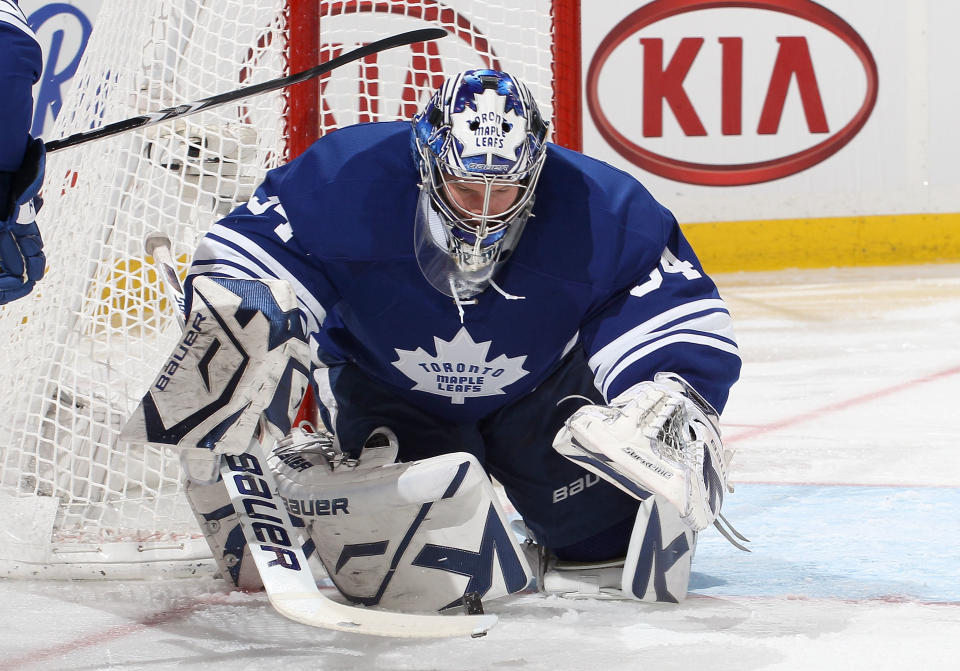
(153, 118)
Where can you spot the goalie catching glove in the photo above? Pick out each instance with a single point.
(658, 437)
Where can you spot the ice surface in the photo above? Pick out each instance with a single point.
(848, 483)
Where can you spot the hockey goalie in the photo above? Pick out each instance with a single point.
(470, 303)
(427, 535)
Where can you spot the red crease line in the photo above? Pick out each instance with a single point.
(109, 634)
(842, 405)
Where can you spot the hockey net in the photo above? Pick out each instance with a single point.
(83, 348)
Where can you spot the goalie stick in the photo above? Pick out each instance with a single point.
(274, 542)
(187, 109)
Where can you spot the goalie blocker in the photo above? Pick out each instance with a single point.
(242, 355)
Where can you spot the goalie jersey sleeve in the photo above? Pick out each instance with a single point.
(670, 319)
(254, 242)
(652, 306)
(601, 266)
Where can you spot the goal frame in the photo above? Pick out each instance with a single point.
(304, 46)
(152, 555)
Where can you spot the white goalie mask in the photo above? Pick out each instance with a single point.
(480, 146)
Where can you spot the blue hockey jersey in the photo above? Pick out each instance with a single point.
(601, 265)
(20, 67)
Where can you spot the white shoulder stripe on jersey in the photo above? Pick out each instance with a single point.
(624, 343)
(202, 266)
(12, 14)
(220, 270)
(215, 257)
(713, 324)
(708, 341)
(248, 254)
(10, 7)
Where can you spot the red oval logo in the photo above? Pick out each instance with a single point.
(361, 93)
(788, 64)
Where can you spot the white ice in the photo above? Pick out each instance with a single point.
(848, 484)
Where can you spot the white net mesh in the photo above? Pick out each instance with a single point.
(83, 348)
(512, 35)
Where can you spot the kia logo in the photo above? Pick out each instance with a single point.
(668, 82)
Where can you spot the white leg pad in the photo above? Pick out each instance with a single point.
(221, 527)
(656, 568)
(416, 536)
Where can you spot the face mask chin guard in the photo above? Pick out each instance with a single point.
(453, 258)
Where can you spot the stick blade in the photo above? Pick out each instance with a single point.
(316, 610)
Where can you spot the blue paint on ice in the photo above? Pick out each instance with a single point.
(847, 542)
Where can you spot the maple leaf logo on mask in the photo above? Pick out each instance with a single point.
(460, 369)
(490, 130)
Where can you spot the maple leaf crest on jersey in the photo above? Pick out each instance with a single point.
(460, 369)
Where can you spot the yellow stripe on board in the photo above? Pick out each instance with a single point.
(131, 293)
(897, 239)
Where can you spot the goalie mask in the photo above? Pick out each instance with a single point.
(480, 146)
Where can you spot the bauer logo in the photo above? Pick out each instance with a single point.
(316, 507)
(267, 526)
(730, 92)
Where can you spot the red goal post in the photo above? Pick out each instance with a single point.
(563, 33)
(76, 501)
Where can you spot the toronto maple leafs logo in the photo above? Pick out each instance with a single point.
(489, 130)
(460, 369)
